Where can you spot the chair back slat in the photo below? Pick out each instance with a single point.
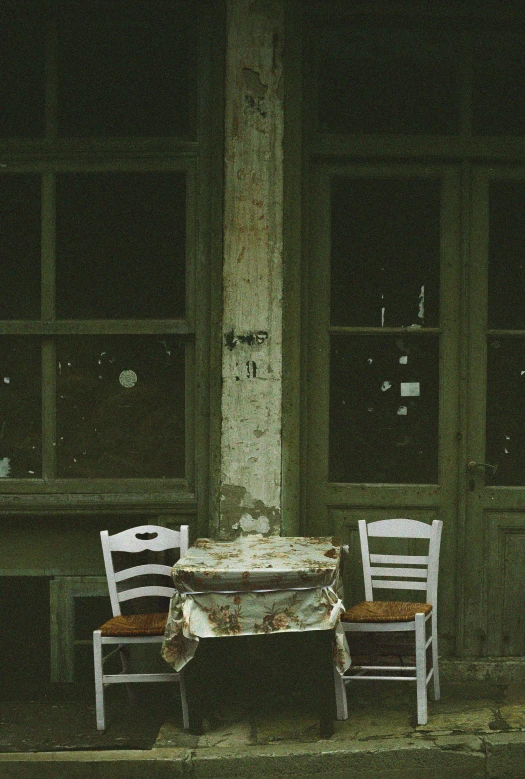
(142, 570)
(151, 537)
(409, 573)
(399, 528)
(146, 592)
(385, 584)
(135, 540)
(424, 573)
(399, 559)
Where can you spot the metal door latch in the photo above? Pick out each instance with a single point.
(473, 467)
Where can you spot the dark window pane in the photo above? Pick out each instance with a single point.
(499, 84)
(121, 245)
(20, 415)
(385, 80)
(22, 96)
(20, 247)
(384, 397)
(385, 252)
(120, 407)
(506, 255)
(125, 68)
(506, 411)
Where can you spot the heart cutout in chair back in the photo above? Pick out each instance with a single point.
(146, 536)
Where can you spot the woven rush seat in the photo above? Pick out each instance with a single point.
(385, 611)
(135, 625)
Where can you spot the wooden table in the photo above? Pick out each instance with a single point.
(256, 585)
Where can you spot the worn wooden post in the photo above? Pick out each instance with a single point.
(252, 275)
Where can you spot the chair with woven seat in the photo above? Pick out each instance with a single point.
(397, 572)
(121, 630)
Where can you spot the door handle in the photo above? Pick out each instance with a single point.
(473, 467)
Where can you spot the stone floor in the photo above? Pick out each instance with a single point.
(377, 710)
(65, 720)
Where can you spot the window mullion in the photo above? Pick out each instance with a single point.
(48, 314)
(48, 409)
(465, 87)
(48, 246)
(51, 78)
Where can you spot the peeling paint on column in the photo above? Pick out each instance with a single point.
(247, 514)
(252, 313)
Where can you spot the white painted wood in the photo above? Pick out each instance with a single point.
(146, 592)
(164, 538)
(141, 570)
(435, 663)
(365, 557)
(415, 573)
(399, 528)
(341, 702)
(99, 683)
(382, 668)
(131, 640)
(382, 627)
(386, 584)
(421, 670)
(402, 528)
(128, 541)
(125, 678)
(399, 559)
(371, 677)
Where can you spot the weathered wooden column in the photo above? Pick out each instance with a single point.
(252, 317)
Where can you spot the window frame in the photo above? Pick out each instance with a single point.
(201, 161)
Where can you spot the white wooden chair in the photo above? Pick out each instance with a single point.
(123, 630)
(403, 572)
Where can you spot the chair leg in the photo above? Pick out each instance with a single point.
(184, 702)
(340, 696)
(435, 660)
(99, 684)
(421, 670)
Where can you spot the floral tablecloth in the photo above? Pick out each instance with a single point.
(257, 584)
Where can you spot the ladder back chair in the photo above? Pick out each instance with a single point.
(121, 631)
(397, 572)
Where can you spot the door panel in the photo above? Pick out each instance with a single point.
(491, 620)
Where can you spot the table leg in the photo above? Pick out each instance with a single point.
(197, 683)
(323, 681)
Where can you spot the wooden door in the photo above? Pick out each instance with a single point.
(416, 378)
(383, 355)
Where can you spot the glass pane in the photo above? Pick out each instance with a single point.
(506, 410)
(22, 94)
(120, 407)
(20, 247)
(381, 80)
(384, 403)
(20, 408)
(506, 255)
(385, 237)
(121, 245)
(125, 68)
(499, 84)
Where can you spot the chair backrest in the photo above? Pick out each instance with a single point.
(134, 540)
(401, 572)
